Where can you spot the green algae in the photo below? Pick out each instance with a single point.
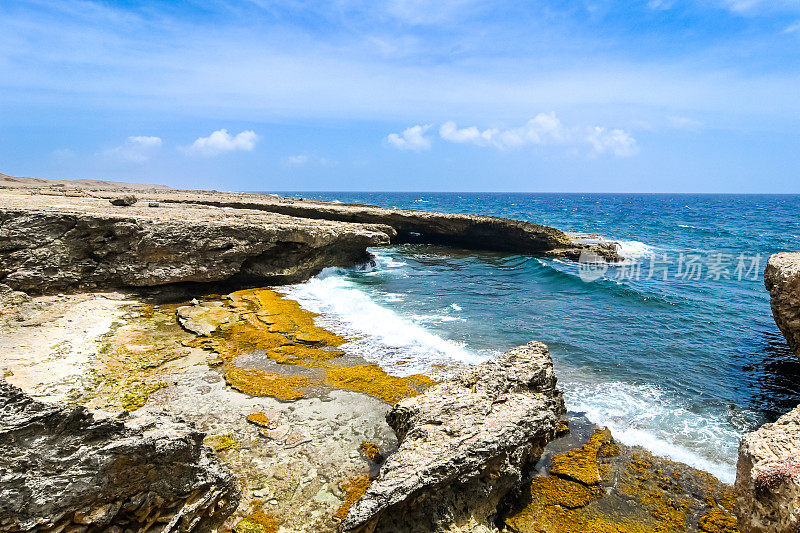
(219, 443)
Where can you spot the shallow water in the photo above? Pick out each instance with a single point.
(683, 366)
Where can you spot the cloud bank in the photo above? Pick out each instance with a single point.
(545, 129)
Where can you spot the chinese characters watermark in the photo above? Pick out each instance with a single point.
(682, 266)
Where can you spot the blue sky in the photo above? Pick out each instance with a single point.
(459, 95)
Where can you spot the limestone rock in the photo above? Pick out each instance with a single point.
(782, 280)
(66, 468)
(203, 319)
(124, 201)
(464, 445)
(768, 477)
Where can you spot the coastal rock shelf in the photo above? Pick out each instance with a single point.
(782, 280)
(50, 243)
(464, 445)
(57, 238)
(66, 469)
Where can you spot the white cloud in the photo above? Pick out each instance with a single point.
(305, 159)
(63, 154)
(412, 138)
(685, 123)
(792, 28)
(612, 141)
(135, 149)
(221, 141)
(296, 160)
(543, 129)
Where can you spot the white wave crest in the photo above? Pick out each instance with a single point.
(380, 335)
(634, 249)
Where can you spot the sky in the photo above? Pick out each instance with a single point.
(405, 95)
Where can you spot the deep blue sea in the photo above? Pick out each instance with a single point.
(682, 366)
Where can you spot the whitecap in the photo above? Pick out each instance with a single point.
(380, 335)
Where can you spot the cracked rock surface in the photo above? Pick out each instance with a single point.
(68, 469)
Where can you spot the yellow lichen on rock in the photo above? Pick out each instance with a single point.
(716, 521)
(219, 443)
(354, 488)
(582, 465)
(601, 488)
(261, 383)
(257, 521)
(371, 451)
(135, 357)
(373, 380)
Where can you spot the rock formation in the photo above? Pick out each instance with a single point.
(64, 469)
(782, 280)
(768, 477)
(62, 243)
(464, 445)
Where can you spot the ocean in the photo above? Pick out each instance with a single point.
(675, 349)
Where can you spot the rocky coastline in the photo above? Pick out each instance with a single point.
(129, 320)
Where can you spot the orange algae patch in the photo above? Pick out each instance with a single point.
(261, 319)
(263, 419)
(373, 380)
(260, 383)
(371, 450)
(599, 488)
(354, 488)
(582, 465)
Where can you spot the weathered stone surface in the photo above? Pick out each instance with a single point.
(464, 444)
(63, 467)
(50, 243)
(768, 477)
(782, 280)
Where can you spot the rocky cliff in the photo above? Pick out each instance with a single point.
(464, 445)
(768, 469)
(66, 469)
(782, 280)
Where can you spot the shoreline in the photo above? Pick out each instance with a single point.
(173, 357)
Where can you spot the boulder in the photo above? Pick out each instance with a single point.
(768, 477)
(67, 469)
(124, 201)
(782, 280)
(465, 444)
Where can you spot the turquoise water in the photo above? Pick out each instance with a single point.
(681, 366)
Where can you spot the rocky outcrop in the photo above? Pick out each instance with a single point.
(464, 445)
(84, 243)
(768, 477)
(65, 469)
(782, 280)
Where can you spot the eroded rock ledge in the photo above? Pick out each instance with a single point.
(65, 469)
(464, 445)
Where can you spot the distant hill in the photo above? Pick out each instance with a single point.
(14, 181)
